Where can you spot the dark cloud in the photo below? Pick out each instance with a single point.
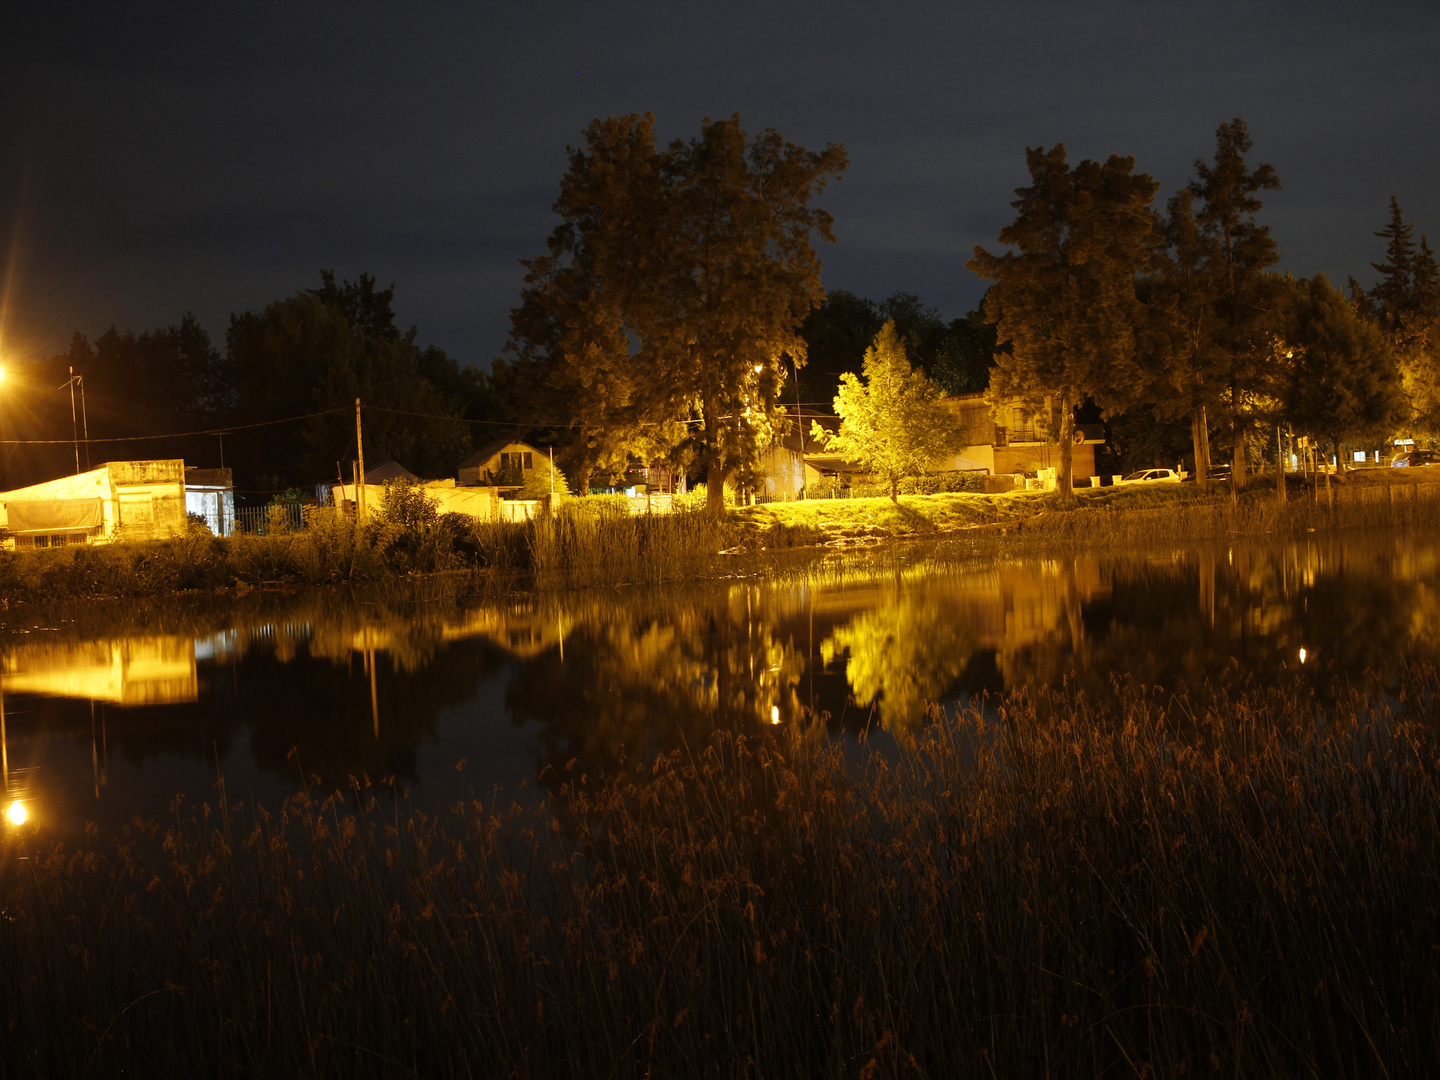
(211, 157)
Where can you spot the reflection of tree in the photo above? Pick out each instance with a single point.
(904, 654)
(321, 709)
(1213, 617)
(632, 684)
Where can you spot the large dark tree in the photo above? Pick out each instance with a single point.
(1343, 382)
(673, 290)
(320, 350)
(1065, 298)
(577, 375)
(836, 334)
(966, 354)
(739, 274)
(1242, 304)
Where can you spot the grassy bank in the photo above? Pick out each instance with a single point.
(1104, 516)
(595, 542)
(1057, 888)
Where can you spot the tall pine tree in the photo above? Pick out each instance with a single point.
(1065, 297)
(1246, 303)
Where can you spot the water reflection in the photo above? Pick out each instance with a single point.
(157, 670)
(334, 685)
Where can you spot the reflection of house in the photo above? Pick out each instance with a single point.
(1016, 442)
(503, 462)
(134, 500)
(129, 671)
(210, 493)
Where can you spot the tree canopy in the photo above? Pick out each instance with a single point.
(673, 290)
(1343, 383)
(320, 350)
(1240, 306)
(892, 421)
(1405, 304)
(1066, 298)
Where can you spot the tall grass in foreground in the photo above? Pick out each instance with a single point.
(1058, 888)
(582, 546)
(599, 543)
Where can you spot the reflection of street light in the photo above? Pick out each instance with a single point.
(71, 382)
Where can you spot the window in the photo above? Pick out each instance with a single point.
(504, 460)
(528, 463)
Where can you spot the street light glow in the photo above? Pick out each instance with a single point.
(15, 812)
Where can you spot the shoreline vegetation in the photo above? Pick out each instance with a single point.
(596, 542)
(1043, 885)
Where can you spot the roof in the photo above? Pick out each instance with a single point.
(389, 470)
(198, 478)
(490, 449)
(793, 440)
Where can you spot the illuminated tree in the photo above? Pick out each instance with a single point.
(892, 422)
(577, 371)
(672, 293)
(1405, 304)
(733, 277)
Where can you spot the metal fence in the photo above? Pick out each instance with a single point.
(259, 520)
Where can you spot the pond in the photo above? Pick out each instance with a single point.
(112, 710)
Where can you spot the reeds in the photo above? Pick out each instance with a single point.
(1047, 886)
(579, 547)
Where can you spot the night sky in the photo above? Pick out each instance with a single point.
(210, 157)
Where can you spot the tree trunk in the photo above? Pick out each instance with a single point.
(1066, 486)
(715, 487)
(895, 489)
(582, 481)
(1197, 441)
(1237, 462)
(715, 471)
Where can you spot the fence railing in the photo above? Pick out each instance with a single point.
(258, 520)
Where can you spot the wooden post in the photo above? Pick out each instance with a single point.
(1279, 467)
(360, 468)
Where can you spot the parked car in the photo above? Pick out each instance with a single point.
(1415, 457)
(1152, 476)
(1213, 472)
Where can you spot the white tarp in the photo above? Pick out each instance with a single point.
(55, 515)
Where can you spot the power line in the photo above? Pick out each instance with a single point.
(232, 428)
(174, 435)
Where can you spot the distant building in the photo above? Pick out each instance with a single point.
(504, 463)
(210, 494)
(132, 500)
(1015, 443)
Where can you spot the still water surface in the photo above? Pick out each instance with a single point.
(110, 712)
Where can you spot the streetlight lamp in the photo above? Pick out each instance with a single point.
(72, 382)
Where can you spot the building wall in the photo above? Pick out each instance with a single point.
(140, 500)
(150, 498)
(478, 502)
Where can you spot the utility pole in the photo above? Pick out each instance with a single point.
(76, 420)
(359, 469)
